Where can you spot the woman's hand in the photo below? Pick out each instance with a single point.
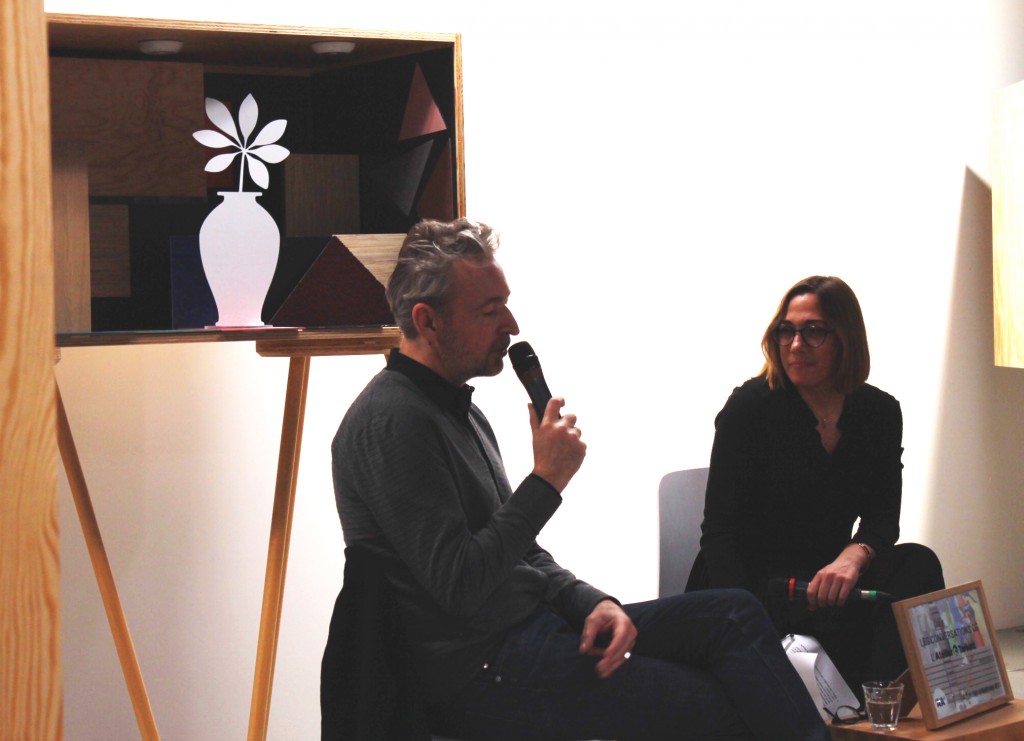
(831, 585)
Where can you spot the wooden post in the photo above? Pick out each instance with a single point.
(277, 551)
(30, 668)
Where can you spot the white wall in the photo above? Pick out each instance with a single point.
(661, 172)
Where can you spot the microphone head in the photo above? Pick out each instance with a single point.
(790, 589)
(523, 358)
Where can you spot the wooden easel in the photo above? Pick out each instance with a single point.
(299, 346)
(104, 576)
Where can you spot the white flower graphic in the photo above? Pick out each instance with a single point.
(262, 147)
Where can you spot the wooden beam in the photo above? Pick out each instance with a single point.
(71, 243)
(30, 654)
(277, 551)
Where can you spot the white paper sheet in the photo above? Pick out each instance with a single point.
(825, 684)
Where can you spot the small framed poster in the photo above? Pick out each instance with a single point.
(953, 653)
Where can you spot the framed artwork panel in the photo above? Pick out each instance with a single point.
(953, 654)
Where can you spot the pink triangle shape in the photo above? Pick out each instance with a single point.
(422, 116)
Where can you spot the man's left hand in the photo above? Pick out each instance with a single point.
(608, 617)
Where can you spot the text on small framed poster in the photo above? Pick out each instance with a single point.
(953, 653)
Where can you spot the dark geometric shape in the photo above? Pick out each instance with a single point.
(151, 224)
(359, 110)
(192, 303)
(296, 257)
(400, 175)
(437, 199)
(336, 291)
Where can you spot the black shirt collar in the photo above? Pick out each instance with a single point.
(851, 406)
(445, 394)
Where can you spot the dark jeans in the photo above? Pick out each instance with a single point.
(706, 665)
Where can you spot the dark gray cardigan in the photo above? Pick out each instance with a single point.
(420, 485)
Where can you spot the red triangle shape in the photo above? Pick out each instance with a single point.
(336, 291)
(422, 116)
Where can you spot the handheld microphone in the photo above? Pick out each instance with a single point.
(527, 367)
(795, 591)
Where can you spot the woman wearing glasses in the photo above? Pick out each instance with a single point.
(803, 453)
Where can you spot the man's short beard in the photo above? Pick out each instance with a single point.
(455, 360)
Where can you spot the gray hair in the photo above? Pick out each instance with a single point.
(423, 272)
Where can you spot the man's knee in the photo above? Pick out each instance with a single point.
(745, 605)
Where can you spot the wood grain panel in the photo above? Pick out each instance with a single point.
(355, 341)
(30, 660)
(321, 194)
(460, 146)
(1008, 225)
(1004, 723)
(71, 238)
(378, 252)
(135, 120)
(110, 253)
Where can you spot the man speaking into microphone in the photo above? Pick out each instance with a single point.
(504, 642)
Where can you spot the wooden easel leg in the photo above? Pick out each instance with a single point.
(277, 552)
(104, 577)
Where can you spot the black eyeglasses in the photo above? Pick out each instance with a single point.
(811, 335)
(846, 715)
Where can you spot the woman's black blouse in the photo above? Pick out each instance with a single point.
(778, 504)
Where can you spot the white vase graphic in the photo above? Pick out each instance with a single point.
(239, 245)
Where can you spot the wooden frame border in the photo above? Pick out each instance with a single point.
(262, 49)
(940, 650)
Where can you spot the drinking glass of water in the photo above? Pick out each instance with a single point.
(882, 700)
